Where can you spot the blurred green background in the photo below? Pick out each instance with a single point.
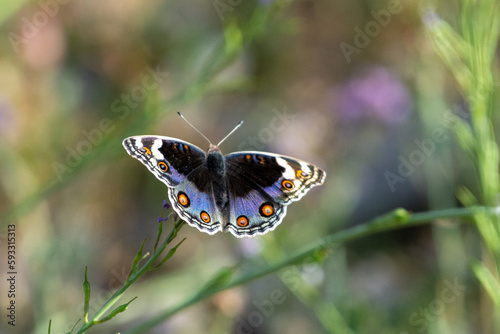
(354, 87)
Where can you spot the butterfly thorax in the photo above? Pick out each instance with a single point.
(216, 169)
(215, 161)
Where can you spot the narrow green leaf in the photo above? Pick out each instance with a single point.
(178, 224)
(74, 326)
(160, 231)
(233, 38)
(137, 259)
(452, 48)
(489, 282)
(486, 227)
(117, 310)
(86, 293)
(170, 253)
(466, 197)
(220, 279)
(50, 323)
(466, 137)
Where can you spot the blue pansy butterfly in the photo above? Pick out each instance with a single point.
(245, 193)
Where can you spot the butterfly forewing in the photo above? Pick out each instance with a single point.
(284, 178)
(169, 159)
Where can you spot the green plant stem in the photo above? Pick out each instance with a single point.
(399, 218)
(149, 265)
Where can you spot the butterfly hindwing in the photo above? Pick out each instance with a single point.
(196, 205)
(255, 213)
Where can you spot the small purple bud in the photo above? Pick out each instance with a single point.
(161, 219)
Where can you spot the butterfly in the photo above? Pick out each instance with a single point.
(245, 193)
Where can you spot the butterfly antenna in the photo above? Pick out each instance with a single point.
(236, 127)
(184, 118)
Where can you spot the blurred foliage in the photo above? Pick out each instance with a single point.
(396, 100)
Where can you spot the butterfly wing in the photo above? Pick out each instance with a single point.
(194, 202)
(169, 159)
(181, 166)
(251, 210)
(260, 185)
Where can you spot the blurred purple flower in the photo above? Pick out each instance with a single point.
(166, 206)
(374, 94)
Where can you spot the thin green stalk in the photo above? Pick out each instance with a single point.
(398, 218)
(135, 274)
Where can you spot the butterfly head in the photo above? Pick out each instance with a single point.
(213, 148)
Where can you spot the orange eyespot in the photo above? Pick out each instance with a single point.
(287, 184)
(146, 150)
(242, 221)
(205, 217)
(301, 174)
(266, 209)
(186, 148)
(163, 166)
(183, 199)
